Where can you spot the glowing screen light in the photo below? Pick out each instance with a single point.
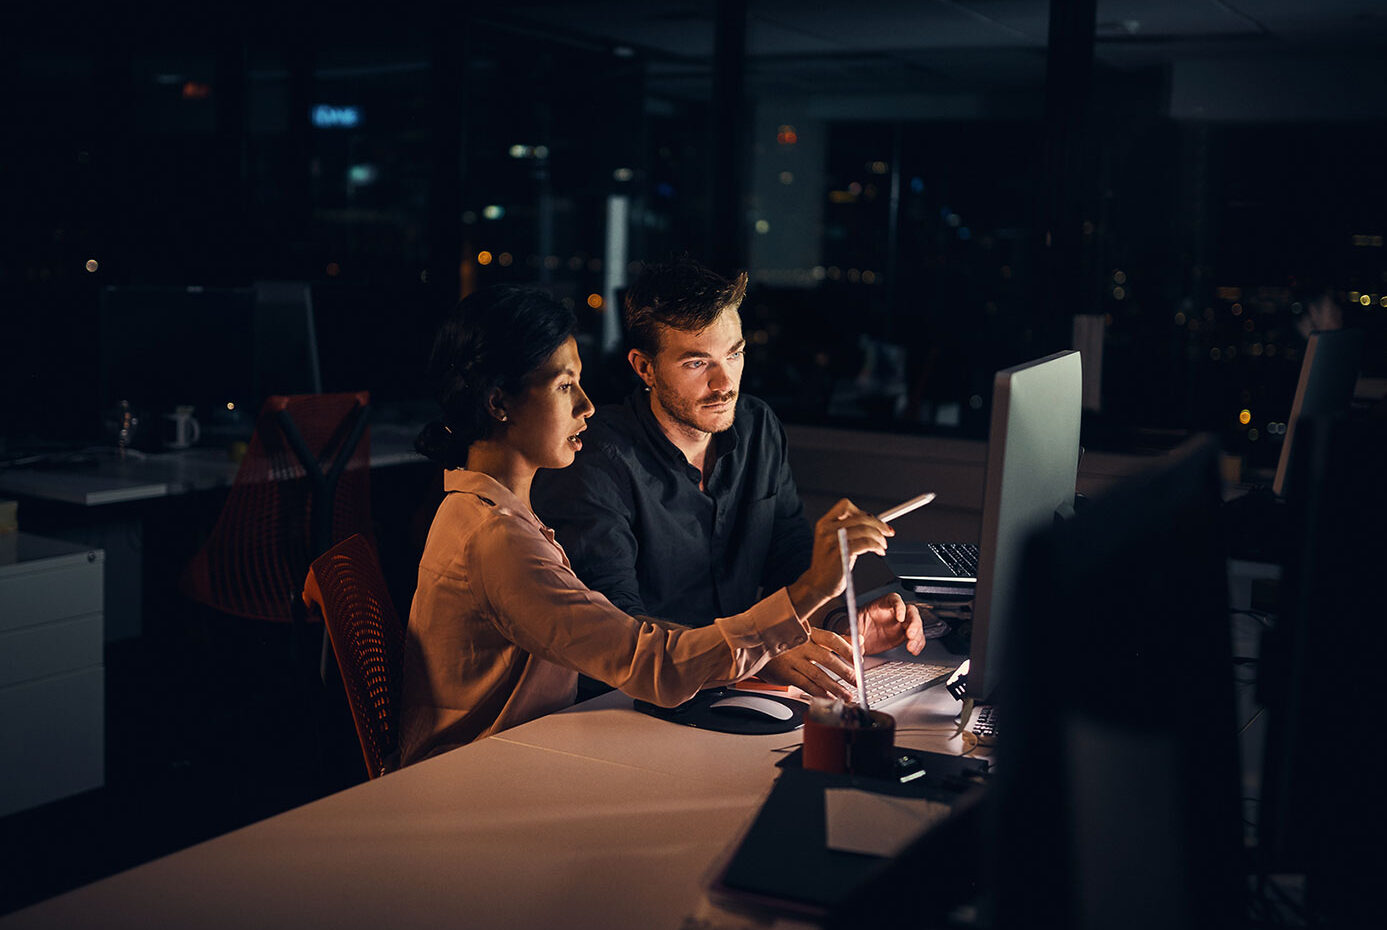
(361, 175)
(327, 116)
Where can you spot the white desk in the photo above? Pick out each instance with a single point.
(86, 496)
(146, 476)
(597, 817)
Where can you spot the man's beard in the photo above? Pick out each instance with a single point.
(691, 413)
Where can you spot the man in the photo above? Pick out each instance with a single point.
(681, 504)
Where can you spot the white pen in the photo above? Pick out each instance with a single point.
(850, 602)
(900, 510)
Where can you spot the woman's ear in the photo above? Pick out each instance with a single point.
(496, 405)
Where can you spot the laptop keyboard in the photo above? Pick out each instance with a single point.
(892, 680)
(962, 558)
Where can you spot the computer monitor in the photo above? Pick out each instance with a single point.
(1032, 468)
(1319, 677)
(163, 347)
(1328, 373)
(1117, 795)
(1115, 801)
(286, 340)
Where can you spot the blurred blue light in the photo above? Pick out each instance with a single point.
(326, 116)
(917, 185)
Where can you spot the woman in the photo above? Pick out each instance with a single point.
(500, 626)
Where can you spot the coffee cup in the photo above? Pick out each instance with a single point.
(844, 739)
(181, 428)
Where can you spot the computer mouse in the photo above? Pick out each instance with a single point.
(751, 706)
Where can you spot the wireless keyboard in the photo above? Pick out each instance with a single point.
(892, 680)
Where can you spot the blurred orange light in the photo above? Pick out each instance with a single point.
(1365, 300)
(92, 265)
(196, 90)
(595, 301)
(786, 135)
(1245, 416)
(333, 269)
(483, 257)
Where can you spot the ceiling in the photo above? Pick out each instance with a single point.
(939, 46)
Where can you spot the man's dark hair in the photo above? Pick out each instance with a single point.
(680, 293)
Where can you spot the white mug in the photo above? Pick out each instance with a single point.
(184, 430)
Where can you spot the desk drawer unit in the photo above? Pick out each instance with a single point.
(52, 674)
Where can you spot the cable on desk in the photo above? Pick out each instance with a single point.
(1243, 728)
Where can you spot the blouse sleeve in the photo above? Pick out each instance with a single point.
(538, 603)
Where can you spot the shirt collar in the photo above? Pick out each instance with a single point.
(489, 490)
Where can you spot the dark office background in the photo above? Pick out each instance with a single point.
(922, 193)
(1197, 173)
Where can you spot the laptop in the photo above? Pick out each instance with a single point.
(949, 568)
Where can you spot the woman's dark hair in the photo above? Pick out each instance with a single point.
(494, 338)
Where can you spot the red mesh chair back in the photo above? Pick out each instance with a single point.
(304, 484)
(347, 587)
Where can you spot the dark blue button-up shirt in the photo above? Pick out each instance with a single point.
(636, 526)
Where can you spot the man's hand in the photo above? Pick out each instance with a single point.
(887, 622)
(797, 666)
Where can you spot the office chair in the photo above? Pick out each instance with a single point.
(346, 586)
(304, 484)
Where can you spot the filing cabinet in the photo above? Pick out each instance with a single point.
(52, 671)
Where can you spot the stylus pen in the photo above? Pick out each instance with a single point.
(900, 510)
(850, 601)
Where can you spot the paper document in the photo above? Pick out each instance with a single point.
(877, 824)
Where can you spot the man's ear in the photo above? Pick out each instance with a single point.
(643, 365)
(496, 405)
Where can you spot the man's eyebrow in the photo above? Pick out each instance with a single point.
(695, 353)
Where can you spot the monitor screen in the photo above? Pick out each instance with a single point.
(1318, 673)
(1328, 373)
(286, 341)
(1117, 793)
(1032, 467)
(1115, 798)
(163, 347)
